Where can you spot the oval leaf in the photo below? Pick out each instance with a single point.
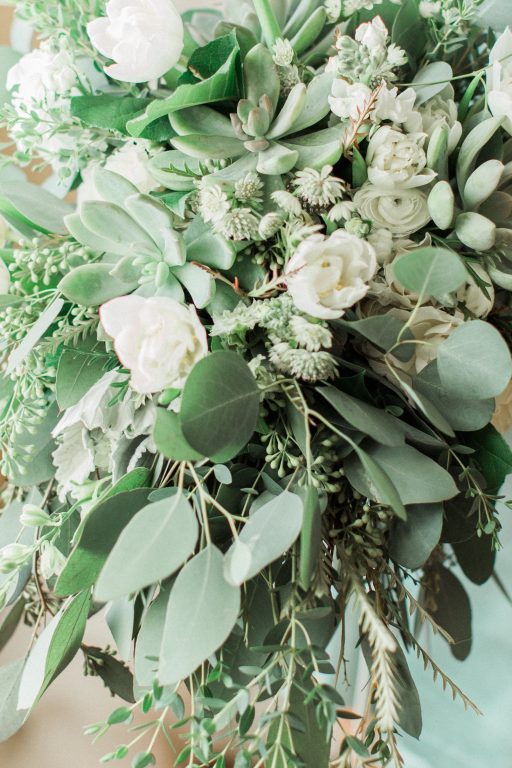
(143, 554)
(201, 613)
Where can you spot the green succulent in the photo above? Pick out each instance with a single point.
(141, 250)
(260, 137)
(479, 208)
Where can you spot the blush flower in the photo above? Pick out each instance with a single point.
(157, 338)
(144, 38)
(325, 276)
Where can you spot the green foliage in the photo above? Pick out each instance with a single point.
(220, 406)
(452, 611)
(430, 272)
(217, 79)
(11, 718)
(169, 438)
(30, 208)
(96, 537)
(201, 613)
(269, 533)
(475, 359)
(54, 649)
(412, 541)
(140, 558)
(79, 369)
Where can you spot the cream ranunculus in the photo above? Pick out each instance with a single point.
(442, 111)
(397, 160)
(325, 276)
(499, 79)
(144, 38)
(157, 338)
(402, 211)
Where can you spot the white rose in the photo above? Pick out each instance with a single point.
(349, 100)
(157, 338)
(373, 34)
(143, 37)
(442, 110)
(499, 79)
(41, 78)
(131, 161)
(325, 276)
(402, 211)
(397, 160)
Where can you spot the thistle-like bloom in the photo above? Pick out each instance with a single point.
(302, 364)
(213, 203)
(318, 188)
(238, 224)
(249, 188)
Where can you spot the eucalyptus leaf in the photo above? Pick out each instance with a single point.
(474, 360)
(96, 537)
(431, 80)
(11, 718)
(37, 330)
(37, 207)
(417, 478)
(430, 272)
(169, 438)
(149, 639)
(452, 611)
(268, 534)
(141, 555)
(220, 405)
(412, 541)
(55, 648)
(375, 422)
(201, 613)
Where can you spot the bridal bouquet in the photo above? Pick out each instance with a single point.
(250, 364)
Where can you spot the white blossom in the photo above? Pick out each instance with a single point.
(318, 188)
(402, 211)
(349, 100)
(144, 38)
(213, 202)
(158, 339)
(397, 160)
(325, 276)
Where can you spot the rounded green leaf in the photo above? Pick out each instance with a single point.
(475, 231)
(417, 478)
(93, 284)
(441, 205)
(201, 613)
(482, 183)
(220, 406)
(169, 438)
(268, 534)
(156, 541)
(413, 540)
(364, 417)
(434, 272)
(474, 361)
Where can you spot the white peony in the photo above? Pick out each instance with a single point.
(41, 79)
(144, 38)
(373, 35)
(157, 338)
(131, 161)
(442, 111)
(325, 276)
(499, 79)
(349, 100)
(397, 160)
(402, 211)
